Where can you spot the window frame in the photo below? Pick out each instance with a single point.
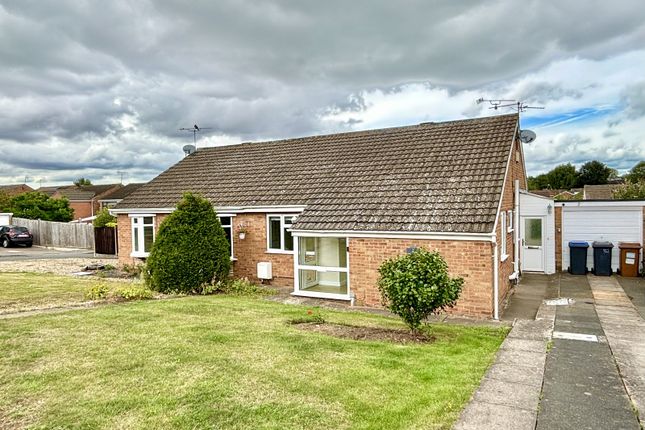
(229, 226)
(140, 237)
(283, 227)
(509, 222)
(503, 237)
(297, 288)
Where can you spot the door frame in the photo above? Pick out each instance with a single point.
(543, 220)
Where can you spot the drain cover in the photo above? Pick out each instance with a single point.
(575, 336)
(560, 301)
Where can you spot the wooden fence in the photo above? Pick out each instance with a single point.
(62, 234)
(105, 240)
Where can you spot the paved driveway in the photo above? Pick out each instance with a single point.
(19, 253)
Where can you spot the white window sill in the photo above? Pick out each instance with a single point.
(318, 295)
(278, 251)
(140, 254)
(233, 259)
(504, 258)
(510, 230)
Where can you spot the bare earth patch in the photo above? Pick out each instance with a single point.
(365, 333)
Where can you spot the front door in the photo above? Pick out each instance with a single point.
(532, 244)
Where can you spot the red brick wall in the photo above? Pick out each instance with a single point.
(468, 259)
(247, 252)
(253, 249)
(124, 235)
(82, 209)
(516, 171)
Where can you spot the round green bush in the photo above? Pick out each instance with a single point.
(415, 285)
(190, 249)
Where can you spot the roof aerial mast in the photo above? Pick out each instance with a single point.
(189, 149)
(526, 136)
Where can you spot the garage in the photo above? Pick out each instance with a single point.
(613, 221)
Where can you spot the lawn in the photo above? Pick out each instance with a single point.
(229, 362)
(27, 291)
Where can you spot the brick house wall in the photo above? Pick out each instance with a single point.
(506, 267)
(253, 249)
(468, 259)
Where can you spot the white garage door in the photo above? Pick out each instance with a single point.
(613, 224)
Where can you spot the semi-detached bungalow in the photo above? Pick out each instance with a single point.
(325, 211)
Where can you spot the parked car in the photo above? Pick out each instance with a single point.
(14, 235)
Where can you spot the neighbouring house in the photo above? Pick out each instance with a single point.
(109, 200)
(572, 194)
(320, 214)
(84, 200)
(15, 189)
(600, 192)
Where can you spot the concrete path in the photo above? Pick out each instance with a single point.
(509, 394)
(635, 290)
(582, 387)
(625, 331)
(529, 295)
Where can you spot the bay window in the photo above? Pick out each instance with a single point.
(321, 267)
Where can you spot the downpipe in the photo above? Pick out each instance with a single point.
(495, 279)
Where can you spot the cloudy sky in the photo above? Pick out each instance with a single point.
(98, 88)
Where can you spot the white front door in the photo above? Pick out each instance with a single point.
(532, 233)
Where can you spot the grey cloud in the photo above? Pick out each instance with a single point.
(634, 99)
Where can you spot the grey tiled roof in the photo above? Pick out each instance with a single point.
(431, 177)
(122, 192)
(72, 192)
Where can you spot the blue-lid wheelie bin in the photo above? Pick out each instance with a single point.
(602, 258)
(578, 257)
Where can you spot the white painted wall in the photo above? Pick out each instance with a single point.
(5, 218)
(611, 223)
(532, 205)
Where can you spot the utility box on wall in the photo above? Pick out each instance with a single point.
(265, 270)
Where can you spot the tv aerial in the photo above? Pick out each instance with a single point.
(526, 136)
(194, 130)
(517, 105)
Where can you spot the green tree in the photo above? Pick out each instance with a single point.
(594, 173)
(563, 176)
(37, 205)
(5, 201)
(190, 250)
(104, 219)
(630, 191)
(637, 173)
(81, 182)
(417, 284)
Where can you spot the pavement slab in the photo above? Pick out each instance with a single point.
(625, 330)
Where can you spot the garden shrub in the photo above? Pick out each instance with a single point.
(415, 285)
(133, 292)
(104, 219)
(237, 287)
(190, 250)
(132, 270)
(97, 292)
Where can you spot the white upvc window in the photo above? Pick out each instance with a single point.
(143, 235)
(227, 225)
(503, 236)
(509, 223)
(279, 239)
(322, 267)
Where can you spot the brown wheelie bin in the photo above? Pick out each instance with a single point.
(629, 258)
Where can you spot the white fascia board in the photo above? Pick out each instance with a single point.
(477, 237)
(528, 193)
(508, 169)
(218, 209)
(599, 203)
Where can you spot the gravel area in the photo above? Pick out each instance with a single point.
(57, 266)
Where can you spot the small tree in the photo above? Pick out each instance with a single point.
(637, 173)
(190, 250)
(81, 182)
(416, 285)
(36, 205)
(630, 191)
(104, 219)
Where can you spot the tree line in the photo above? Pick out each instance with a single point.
(36, 205)
(566, 176)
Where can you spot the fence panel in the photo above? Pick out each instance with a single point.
(105, 240)
(62, 234)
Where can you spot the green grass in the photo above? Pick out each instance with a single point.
(29, 291)
(229, 362)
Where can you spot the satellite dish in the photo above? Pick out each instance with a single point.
(527, 136)
(189, 149)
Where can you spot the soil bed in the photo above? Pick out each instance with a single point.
(366, 333)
